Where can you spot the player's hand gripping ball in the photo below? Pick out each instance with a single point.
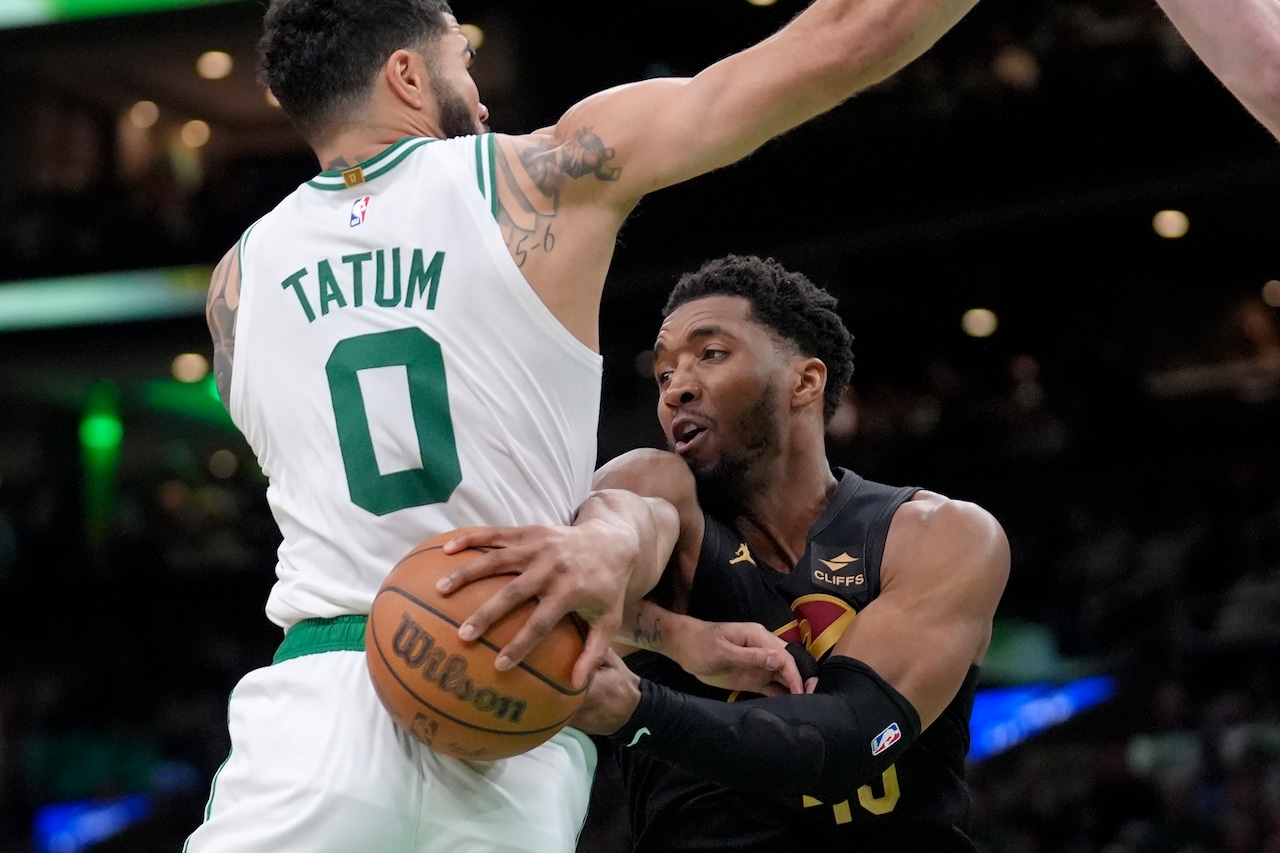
(446, 692)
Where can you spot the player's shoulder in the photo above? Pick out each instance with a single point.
(538, 140)
(224, 280)
(960, 537)
(647, 469)
(927, 510)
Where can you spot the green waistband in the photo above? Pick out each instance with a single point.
(312, 636)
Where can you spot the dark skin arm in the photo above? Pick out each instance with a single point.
(945, 567)
(736, 656)
(612, 555)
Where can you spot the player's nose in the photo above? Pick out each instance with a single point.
(682, 389)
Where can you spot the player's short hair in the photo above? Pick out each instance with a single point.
(320, 57)
(797, 311)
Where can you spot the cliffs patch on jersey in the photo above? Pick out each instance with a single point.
(840, 571)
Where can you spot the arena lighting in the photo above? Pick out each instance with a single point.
(144, 114)
(1170, 224)
(979, 322)
(75, 826)
(190, 367)
(195, 133)
(108, 298)
(24, 13)
(198, 400)
(101, 434)
(223, 464)
(1271, 293)
(214, 64)
(474, 34)
(1004, 717)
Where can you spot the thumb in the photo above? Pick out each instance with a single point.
(593, 653)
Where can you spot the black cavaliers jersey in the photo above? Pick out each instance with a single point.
(920, 803)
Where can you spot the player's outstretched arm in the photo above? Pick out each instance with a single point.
(1239, 41)
(660, 132)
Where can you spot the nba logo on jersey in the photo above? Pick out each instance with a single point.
(886, 739)
(358, 210)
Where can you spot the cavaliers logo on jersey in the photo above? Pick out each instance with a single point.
(839, 571)
(820, 620)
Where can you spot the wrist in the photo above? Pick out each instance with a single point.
(649, 702)
(677, 636)
(649, 626)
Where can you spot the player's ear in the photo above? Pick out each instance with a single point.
(405, 73)
(810, 382)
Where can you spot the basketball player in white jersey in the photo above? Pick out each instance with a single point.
(409, 343)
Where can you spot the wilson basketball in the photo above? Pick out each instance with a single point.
(446, 692)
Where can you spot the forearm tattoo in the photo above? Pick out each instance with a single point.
(648, 630)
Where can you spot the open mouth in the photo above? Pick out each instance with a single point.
(686, 435)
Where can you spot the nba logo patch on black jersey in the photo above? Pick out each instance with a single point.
(840, 570)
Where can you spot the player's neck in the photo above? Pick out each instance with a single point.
(780, 515)
(361, 141)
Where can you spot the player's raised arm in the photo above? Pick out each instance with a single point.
(663, 131)
(1239, 41)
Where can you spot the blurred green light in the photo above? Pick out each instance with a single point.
(199, 400)
(101, 435)
(211, 385)
(101, 432)
(20, 13)
(103, 298)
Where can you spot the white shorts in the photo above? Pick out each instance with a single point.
(317, 766)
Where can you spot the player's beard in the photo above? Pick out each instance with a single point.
(456, 118)
(725, 486)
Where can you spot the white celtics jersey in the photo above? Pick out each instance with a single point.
(396, 375)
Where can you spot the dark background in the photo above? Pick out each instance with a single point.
(1121, 421)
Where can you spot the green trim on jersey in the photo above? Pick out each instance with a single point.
(331, 180)
(485, 174)
(244, 241)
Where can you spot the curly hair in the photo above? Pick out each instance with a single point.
(793, 307)
(320, 57)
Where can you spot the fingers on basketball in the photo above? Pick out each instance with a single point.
(447, 692)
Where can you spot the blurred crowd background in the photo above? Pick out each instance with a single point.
(1053, 237)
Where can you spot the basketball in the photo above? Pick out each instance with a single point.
(446, 692)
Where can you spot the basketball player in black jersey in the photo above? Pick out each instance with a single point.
(891, 590)
(887, 594)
